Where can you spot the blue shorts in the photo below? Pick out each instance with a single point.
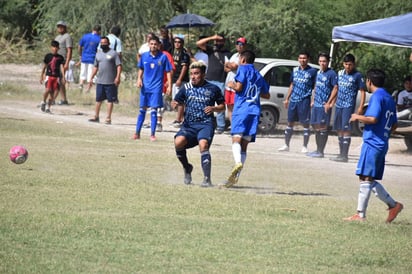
(106, 92)
(245, 126)
(195, 132)
(152, 99)
(319, 116)
(371, 162)
(299, 111)
(342, 117)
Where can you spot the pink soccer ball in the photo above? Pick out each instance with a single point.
(18, 154)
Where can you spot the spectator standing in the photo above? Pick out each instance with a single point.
(200, 99)
(115, 42)
(217, 57)
(166, 39)
(108, 68)
(350, 82)
(152, 66)
(380, 121)
(404, 102)
(201, 55)
(87, 49)
(297, 102)
(66, 50)
(323, 97)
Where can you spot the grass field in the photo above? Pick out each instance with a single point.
(90, 200)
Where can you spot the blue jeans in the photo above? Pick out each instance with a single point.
(220, 117)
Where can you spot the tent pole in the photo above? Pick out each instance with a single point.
(331, 54)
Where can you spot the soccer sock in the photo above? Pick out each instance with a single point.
(206, 163)
(317, 139)
(365, 189)
(323, 139)
(346, 140)
(153, 121)
(181, 155)
(288, 135)
(236, 150)
(140, 120)
(243, 156)
(340, 139)
(382, 194)
(306, 134)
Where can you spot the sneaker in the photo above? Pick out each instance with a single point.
(206, 182)
(63, 102)
(146, 126)
(188, 175)
(340, 158)
(152, 138)
(95, 120)
(304, 149)
(43, 106)
(219, 130)
(315, 154)
(176, 124)
(48, 111)
(234, 175)
(284, 148)
(393, 212)
(159, 127)
(355, 217)
(136, 136)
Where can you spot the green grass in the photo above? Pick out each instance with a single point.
(93, 201)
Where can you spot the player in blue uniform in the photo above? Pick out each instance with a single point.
(325, 90)
(200, 99)
(350, 81)
(152, 66)
(380, 120)
(249, 86)
(297, 102)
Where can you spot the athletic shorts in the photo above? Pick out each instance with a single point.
(299, 111)
(86, 71)
(245, 126)
(52, 83)
(195, 132)
(371, 162)
(106, 92)
(342, 117)
(152, 99)
(319, 116)
(229, 97)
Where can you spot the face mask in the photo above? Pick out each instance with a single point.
(105, 47)
(219, 46)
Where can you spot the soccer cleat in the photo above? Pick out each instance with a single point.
(159, 127)
(284, 148)
(340, 158)
(43, 106)
(188, 175)
(48, 111)
(304, 149)
(95, 120)
(355, 217)
(63, 102)
(315, 154)
(206, 182)
(152, 138)
(233, 178)
(393, 212)
(136, 136)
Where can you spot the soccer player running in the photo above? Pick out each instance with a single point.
(249, 86)
(324, 94)
(200, 99)
(350, 81)
(380, 120)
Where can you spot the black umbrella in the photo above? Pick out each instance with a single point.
(189, 20)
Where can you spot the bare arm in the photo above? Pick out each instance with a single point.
(118, 74)
(139, 78)
(362, 101)
(286, 102)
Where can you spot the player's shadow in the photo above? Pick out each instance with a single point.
(271, 191)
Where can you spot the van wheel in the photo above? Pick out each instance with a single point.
(267, 120)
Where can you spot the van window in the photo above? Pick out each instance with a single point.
(279, 76)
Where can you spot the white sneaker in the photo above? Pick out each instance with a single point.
(304, 150)
(284, 148)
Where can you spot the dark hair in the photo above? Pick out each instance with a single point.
(54, 44)
(115, 30)
(97, 28)
(349, 58)
(304, 52)
(323, 54)
(249, 56)
(154, 37)
(407, 79)
(105, 38)
(376, 76)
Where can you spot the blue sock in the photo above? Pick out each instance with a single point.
(206, 163)
(181, 155)
(288, 135)
(153, 121)
(140, 120)
(306, 134)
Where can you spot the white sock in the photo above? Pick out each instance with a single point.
(236, 150)
(382, 194)
(363, 198)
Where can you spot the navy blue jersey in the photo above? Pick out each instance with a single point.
(348, 87)
(196, 98)
(303, 83)
(325, 82)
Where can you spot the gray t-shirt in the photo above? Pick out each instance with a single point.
(107, 63)
(65, 41)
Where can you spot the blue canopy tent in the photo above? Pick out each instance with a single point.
(392, 31)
